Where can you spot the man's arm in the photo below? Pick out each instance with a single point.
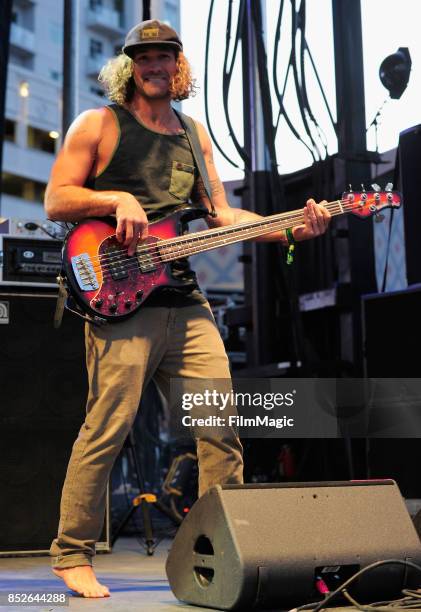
(66, 199)
(316, 216)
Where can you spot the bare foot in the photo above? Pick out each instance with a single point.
(82, 579)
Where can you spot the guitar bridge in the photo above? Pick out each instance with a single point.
(84, 272)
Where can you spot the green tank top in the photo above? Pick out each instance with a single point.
(159, 170)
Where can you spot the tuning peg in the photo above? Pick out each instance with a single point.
(378, 217)
(350, 188)
(389, 187)
(375, 187)
(362, 187)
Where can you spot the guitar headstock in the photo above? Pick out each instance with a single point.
(368, 203)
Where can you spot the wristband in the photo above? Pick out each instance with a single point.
(291, 245)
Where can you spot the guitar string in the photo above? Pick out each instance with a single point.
(192, 245)
(345, 205)
(196, 246)
(292, 215)
(167, 244)
(191, 242)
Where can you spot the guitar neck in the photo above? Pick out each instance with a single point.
(206, 240)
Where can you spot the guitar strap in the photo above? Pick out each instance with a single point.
(194, 142)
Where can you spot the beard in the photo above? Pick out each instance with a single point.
(151, 90)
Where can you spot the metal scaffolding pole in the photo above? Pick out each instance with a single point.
(69, 65)
(5, 21)
(263, 195)
(352, 148)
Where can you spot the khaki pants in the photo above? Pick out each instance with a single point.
(157, 342)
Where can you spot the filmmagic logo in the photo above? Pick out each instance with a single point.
(238, 421)
(219, 400)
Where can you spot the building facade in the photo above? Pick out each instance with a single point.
(34, 84)
(34, 103)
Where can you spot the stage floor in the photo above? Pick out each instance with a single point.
(136, 581)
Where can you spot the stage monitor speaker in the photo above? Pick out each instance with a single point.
(43, 388)
(410, 181)
(267, 546)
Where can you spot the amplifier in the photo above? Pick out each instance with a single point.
(29, 261)
(32, 228)
(43, 384)
(391, 333)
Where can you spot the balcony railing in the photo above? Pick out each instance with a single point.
(105, 20)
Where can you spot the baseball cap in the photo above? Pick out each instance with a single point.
(151, 32)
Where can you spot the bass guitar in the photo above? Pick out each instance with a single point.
(108, 284)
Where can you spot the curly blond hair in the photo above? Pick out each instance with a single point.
(117, 79)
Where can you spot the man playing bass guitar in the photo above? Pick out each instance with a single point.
(133, 160)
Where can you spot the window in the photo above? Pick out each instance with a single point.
(95, 48)
(40, 139)
(55, 75)
(20, 60)
(10, 130)
(22, 187)
(119, 8)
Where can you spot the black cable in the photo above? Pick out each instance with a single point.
(334, 124)
(302, 27)
(389, 238)
(277, 191)
(293, 60)
(279, 96)
(279, 114)
(405, 603)
(396, 175)
(212, 135)
(32, 226)
(227, 75)
(338, 591)
(412, 593)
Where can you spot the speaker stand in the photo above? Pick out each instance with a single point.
(143, 501)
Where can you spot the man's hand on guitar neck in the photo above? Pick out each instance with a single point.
(316, 221)
(132, 223)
